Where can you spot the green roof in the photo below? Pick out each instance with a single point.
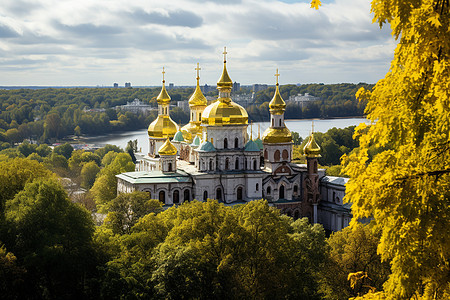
(155, 177)
(207, 147)
(178, 137)
(251, 146)
(196, 141)
(259, 143)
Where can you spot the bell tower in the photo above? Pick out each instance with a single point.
(311, 183)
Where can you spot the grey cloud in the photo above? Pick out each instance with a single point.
(7, 32)
(173, 18)
(87, 29)
(21, 7)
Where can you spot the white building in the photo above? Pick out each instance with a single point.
(213, 157)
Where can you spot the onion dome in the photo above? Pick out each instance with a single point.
(163, 126)
(167, 148)
(163, 97)
(224, 111)
(196, 142)
(251, 146)
(178, 137)
(207, 147)
(277, 104)
(197, 98)
(274, 135)
(311, 148)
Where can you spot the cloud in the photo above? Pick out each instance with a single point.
(169, 18)
(7, 32)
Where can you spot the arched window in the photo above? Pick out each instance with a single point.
(162, 196)
(225, 143)
(296, 215)
(186, 195)
(227, 164)
(266, 154)
(315, 166)
(210, 165)
(236, 143)
(176, 197)
(295, 190)
(269, 190)
(272, 122)
(281, 194)
(219, 194)
(239, 193)
(245, 163)
(257, 187)
(170, 167)
(236, 164)
(254, 164)
(277, 155)
(285, 154)
(205, 195)
(279, 123)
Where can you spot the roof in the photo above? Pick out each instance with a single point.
(155, 177)
(207, 147)
(251, 146)
(340, 181)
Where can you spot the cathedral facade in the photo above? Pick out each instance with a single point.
(213, 157)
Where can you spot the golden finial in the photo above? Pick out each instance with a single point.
(277, 75)
(259, 131)
(163, 72)
(198, 73)
(312, 126)
(224, 54)
(251, 131)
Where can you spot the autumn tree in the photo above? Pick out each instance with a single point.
(405, 188)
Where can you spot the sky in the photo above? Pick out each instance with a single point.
(99, 42)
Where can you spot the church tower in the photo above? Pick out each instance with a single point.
(168, 157)
(197, 103)
(277, 139)
(163, 126)
(311, 183)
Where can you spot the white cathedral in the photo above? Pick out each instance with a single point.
(213, 157)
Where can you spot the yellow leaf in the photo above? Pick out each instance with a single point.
(315, 4)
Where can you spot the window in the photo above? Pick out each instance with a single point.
(257, 187)
(254, 164)
(205, 195)
(210, 165)
(236, 143)
(285, 154)
(277, 155)
(162, 196)
(296, 215)
(315, 166)
(272, 122)
(227, 163)
(269, 190)
(281, 193)
(225, 143)
(186, 195)
(170, 167)
(279, 123)
(219, 194)
(236, 164)
(295, 190)
(266, 154)
(239, 193)
(176, 197)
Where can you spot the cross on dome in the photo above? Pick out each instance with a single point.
(225, 54)
(277, 75)
(198, 69)
(163, 72)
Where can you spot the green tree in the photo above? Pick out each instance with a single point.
(88, 173)
(11, 275)
(64, 150)
(405, 187)
(53, 238)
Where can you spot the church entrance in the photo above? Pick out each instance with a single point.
(162, 197)
(239, 193)
(281, 195)
(219, 194)
(176, 197)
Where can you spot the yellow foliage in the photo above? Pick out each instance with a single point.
(315, 4)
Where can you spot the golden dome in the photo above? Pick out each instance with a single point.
(224, 112)
(167, 148)
(273, 135)
(163, 126)
(163, 97)
(311, 148)
(190, 130)
(197, 98)
(277, 104)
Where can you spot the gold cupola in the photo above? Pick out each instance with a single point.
(197, 103)
(277, 132)
(224, 111)
(163, 126)
(312, 149)
(167, 148)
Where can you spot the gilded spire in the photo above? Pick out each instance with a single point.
(224, 82)
(277, 104)
(259, 131)
(197, 98)
(167, 148)
(163, 97)
(312, 149)
(251, 131)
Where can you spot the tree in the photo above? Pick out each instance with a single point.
(88, 173)
(11, 275)
(405, 187)
(64, 150)
(52, 237)
(126, 209)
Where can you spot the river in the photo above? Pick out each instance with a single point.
(303, 127)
